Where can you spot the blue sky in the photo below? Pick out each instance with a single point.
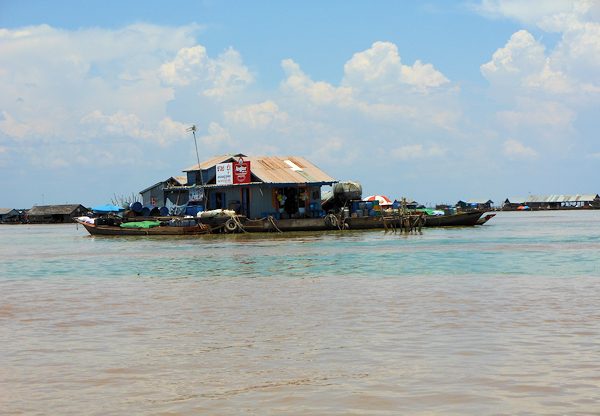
(436, 101)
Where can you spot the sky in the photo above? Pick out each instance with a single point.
(435, 101)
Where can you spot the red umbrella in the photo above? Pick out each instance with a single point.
(383, 200)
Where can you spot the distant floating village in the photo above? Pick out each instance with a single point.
(288, 187)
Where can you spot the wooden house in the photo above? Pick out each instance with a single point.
(48, 214)
(9, 215)
(256, 186)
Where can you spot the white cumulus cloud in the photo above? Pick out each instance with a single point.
(258, 116)
(516, 150)
(215, 77)
(380, 67)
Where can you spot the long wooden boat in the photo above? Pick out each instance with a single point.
(95, 229)
(353, 223)
(461, 219)
(242, 224)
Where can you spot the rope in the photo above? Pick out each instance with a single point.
(272, 221)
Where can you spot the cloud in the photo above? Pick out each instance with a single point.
(320, 93)
(257, 116)
(417, 151)
(13, 128)
(519, 59)
(215, 77)
(523, 11)
(518, 151)
(217, 137)
(545, 88)
(595, 155)
(552, 116)
(129, 125)
(376, 85)
(380, 67)
(74, 88)
(572, 67)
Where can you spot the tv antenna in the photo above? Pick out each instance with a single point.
(193, 130)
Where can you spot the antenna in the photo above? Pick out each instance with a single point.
(193, 130)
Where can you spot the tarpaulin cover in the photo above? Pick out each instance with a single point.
(107, 208)
(140, 224)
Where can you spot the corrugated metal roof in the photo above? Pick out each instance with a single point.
(179, 180)
(546, 199)
(5, 211)
(479, 201)
(561, 198)
(54, 209)
(182, 179)
(209, 163)
(276, 169)
(517, 199)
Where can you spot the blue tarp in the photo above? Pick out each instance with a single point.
(107, 208)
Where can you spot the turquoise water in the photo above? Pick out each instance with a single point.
(501, 319)
(548, 244)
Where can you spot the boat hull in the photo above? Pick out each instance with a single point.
(270, 225)
(160, 230)
(462, 219)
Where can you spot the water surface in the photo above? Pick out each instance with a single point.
(501, 319)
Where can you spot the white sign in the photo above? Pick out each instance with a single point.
(224, 174)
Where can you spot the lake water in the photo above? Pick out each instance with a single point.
(502, 319)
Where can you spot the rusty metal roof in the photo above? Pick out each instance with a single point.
(274, 169)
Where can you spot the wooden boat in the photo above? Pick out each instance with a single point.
(98, 229)
(238, 224)
(461, 219)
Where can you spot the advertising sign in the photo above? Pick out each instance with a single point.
(241, 171)
(224, 174)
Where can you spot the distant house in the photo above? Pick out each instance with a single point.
(512, 203)
(9, 215)
(472, 204)
(549, 202)
(254, 186)
(167, 193)
(48, 214)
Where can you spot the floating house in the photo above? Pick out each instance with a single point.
(166, 193)
(47, 214)
(254, 186)
(549, 202)
(472, 204)
(9, 215)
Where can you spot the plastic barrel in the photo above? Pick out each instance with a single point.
(164, 211)
(145, 211)
(136, 207)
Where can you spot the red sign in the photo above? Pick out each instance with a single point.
(241, 171)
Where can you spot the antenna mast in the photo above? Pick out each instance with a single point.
(193, 130)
